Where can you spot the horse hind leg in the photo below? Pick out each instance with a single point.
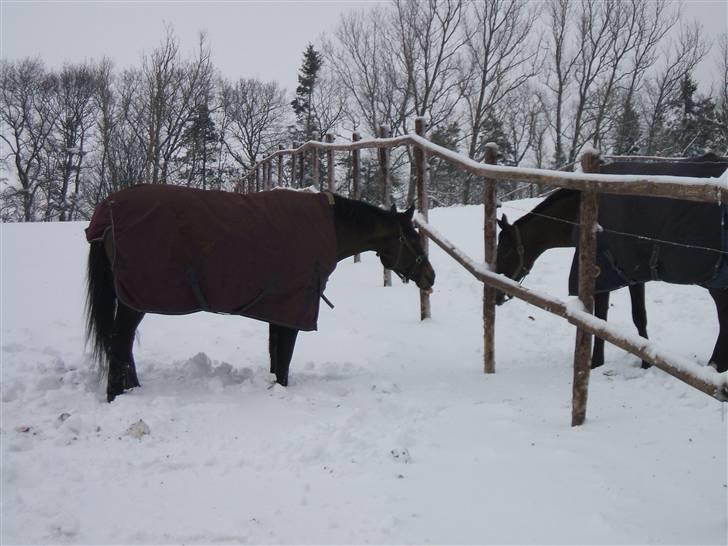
(601, 308)
(122, 369)
(639, 313)
(719, 358)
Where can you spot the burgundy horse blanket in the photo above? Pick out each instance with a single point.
(178, 250)
(671, 240)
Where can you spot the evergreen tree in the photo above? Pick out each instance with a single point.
(693, 123)
(303, 104)
(492, 131)
(306, 127)
(446, 181)
(627, 133)
(201, 141)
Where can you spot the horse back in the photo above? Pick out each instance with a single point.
(645, 239)
(180, 250)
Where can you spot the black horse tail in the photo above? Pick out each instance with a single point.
(100, 305)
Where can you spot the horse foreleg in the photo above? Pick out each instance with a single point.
(281, 342)
(639, 312)
(601, 308)
(719, 358)
(122, 370)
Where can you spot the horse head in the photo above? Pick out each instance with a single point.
(510, 260)
(402, 251)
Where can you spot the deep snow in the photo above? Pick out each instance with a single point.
(388, 433)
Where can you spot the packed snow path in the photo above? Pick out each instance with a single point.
(388, 433)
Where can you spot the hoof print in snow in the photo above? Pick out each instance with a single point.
(138, 429)
(22, 429)
(386, 388)
(401, 455)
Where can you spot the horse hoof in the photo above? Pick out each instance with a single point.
(646, 365)
(596, 365)
(112, 394)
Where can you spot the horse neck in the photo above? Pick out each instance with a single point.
(551, 227)
(360, 227)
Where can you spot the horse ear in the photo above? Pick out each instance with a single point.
(410, 212)
(503, 222)
(394, 208)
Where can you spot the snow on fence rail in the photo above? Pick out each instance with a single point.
(578, 312)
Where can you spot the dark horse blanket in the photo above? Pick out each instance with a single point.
(668, 232)
(178, 250)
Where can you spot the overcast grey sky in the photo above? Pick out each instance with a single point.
(248, 38)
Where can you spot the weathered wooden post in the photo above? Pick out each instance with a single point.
(268, 175)
(315, 182)
(355, 177)
(386, 188)
(423, 206)
(331, 186)
(279, 178)
(588, 210)
(301, 169)
(293, 168)
(257, 177)
(489, 238)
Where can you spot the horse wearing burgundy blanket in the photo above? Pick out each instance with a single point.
(174, 250)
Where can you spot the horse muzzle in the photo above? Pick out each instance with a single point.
(426, 279)
(501, 297)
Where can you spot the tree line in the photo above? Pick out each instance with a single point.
(542, 80)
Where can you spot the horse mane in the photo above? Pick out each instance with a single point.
(359, 213)
(550, 201)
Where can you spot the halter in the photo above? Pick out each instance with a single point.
(419, 258)
(521, 271)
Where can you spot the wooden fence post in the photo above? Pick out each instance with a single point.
(301, 169)
(257, 178)
(315, 182)
(331, 186)
(355, 177)
(423, 206)
(386, 188)
(280, 166)
(588, 212)
(268, 171)
(489, 238)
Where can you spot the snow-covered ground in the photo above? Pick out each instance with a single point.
(388, 433)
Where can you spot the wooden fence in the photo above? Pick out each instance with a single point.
(590, 183)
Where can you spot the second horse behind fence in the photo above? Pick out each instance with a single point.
(641, 239)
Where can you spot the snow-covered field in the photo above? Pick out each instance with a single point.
(388, 433)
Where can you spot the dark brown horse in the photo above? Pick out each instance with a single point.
(623, 260)
(171, 250)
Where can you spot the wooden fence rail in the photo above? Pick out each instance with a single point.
(579, 311)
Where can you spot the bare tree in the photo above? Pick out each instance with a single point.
(171, 90)
(75, 117)
(501, 57)
(254, 118)
(681, 55)
(722, 92)
(28, 116)
(430, 39)
(600, 51)
(362, 60)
